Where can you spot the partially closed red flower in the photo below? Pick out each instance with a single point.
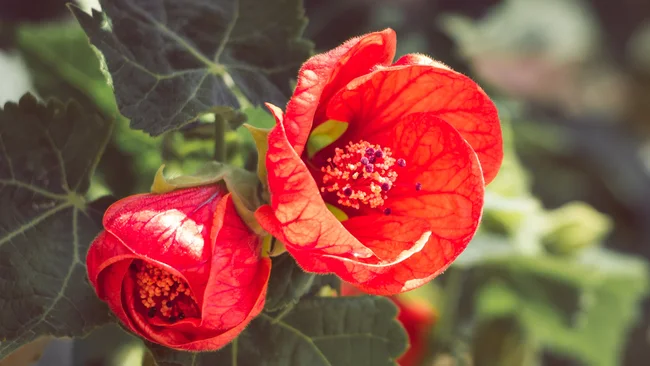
(180, 269)
(408, 172)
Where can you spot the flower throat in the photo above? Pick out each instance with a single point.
(163, 294)
(361, 174)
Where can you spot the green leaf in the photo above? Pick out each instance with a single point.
(581, 308)
(355, 331)
(47, 156)
(172, 61)
(63, 64)
(324, 135)
(288, 283)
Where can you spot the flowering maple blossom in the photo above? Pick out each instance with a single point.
(393, 200)
(181, 268)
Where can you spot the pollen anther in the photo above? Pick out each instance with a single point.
(361, 173)
(157, 289)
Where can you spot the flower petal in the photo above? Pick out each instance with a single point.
(172, 229)
(376, 102)
(110, 289)
(451, 200)
(105, 250)
(391, 237)
(298, 215)
(324, 74)
(238, 275)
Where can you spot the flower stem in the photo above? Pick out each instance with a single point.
(453, 287)
(220, 125)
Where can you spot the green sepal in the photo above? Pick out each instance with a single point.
(243, 185)
(324, 135)
(261, 138)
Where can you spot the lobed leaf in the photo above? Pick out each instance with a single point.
(354, 331)
(171, 61)
(47, 156)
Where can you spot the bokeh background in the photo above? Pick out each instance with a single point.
(558, 274)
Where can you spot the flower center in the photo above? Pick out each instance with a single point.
(362, 173)
(163, 294)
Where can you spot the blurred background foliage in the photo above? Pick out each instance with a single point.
(558, 273)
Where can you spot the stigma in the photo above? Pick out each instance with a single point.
(163, 294)
(361, 174)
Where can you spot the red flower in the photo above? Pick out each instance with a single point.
(418, 318)
(180, 269)
(409, 172)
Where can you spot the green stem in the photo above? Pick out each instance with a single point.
(445, 328)
(220, 125)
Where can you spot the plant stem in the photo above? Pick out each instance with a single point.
(452, 290)
(220, 137)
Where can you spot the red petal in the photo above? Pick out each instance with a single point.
(110, 287)
(392, 238)
(104, 251)
(324, 74)
(238, 274)
(376, 102)
(451, 199)
(170, 229)
(298, 215)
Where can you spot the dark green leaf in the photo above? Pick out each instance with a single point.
(355, 331)
(288, 283)
(47, 155)
(170, 60)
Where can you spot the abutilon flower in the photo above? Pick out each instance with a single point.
(180, 269)
(392, 199)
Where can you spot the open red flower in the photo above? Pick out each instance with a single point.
(180, 269)
(408, 172)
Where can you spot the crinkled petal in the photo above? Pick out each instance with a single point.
(171, 229)
(297, 214)
(451, 201)
(105, 250)
(375, 103)
(391, 237)
(238, 274)
(324, 74)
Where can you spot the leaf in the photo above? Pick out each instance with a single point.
(355, 331)
(169, 60)
(288, 283)
(47, 156)
(63, 65)
(582, 308)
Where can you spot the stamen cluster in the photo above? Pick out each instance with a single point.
(162, 293)
(362, 173)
